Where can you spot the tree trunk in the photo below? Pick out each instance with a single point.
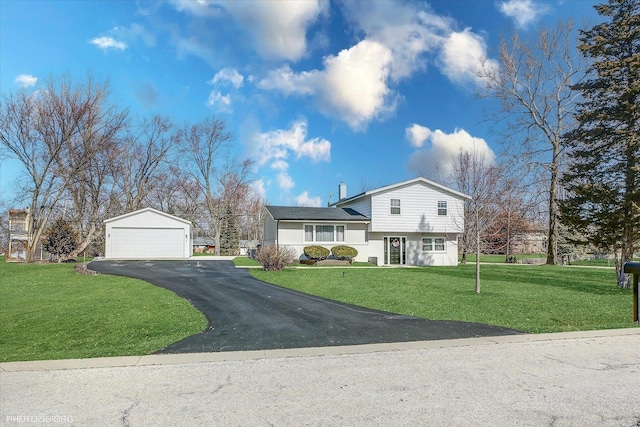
(218, 234)
(92, 234)
(477, 254)
(552, 237)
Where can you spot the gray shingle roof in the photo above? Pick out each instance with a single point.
(300, 213)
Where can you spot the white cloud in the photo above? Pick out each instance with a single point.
(258, 189)
(352, 87)
(463, 58)
(408, 30)
(225, 77)
(106, 43)
(285, 182)
(274, 148)
(278, 28)
(197, 7)
(219, 102)
(279, 165)
(133, 33)
(285, 80)
(439, 156)
(357, 85)
(303, 199)
(26, 80)
(276, 145)
(417, 134)
(228, 76)
(523, 12)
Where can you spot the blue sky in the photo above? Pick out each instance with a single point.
(315, 92)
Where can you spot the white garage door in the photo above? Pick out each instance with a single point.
(140, 243)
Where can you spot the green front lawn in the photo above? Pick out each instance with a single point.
(48, 311)
(527, 298)
(500, 259)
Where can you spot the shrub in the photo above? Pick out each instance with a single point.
(61, 240)
(316, 252)
(275, 258)
(344, 252)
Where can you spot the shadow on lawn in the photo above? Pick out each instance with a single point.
(576, 280)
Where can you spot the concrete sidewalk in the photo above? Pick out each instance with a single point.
(567, 379)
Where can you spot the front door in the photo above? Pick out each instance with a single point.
(394, 250)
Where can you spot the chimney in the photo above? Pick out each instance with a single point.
(342, 191)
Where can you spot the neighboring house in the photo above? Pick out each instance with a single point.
(147, 234)
(530, 243)
(20, 233)
(414, 222)
(203, 245)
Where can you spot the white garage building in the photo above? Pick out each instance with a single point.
(147, 234)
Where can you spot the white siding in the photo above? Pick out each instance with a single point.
(415, 255)
(418, 218)
(419, 211)
(291, 234)
(147, 234)
(362, 205)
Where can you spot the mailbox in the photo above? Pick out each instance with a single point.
(634, 268)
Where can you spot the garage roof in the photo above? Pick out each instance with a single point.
(130, 214)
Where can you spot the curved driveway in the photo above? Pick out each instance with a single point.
(247, 314)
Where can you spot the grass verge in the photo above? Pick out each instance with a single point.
(48, 311)
(245, 261)
(533, 299)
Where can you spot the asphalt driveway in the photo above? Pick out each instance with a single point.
(247, 314)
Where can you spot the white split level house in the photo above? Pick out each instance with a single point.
(148, 234)
(414, 222)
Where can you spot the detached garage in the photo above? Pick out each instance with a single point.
(147, 234)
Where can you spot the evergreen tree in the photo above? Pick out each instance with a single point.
(230, 233)
(61, 240)
(603, 180)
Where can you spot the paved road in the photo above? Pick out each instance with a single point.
(571, 379)
(248, 314)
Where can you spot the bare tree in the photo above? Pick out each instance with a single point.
(205, 148)
(93, 194)
(87, 161)
(46, 129)
(251, 208)
(179, 195)
(475, 177)
(512, 219)
(533, 87)
(143, 158)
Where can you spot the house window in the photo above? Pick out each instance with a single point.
(433, 244)
(395, 206)
(442, 208)
(324, 233)
(308, 233)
